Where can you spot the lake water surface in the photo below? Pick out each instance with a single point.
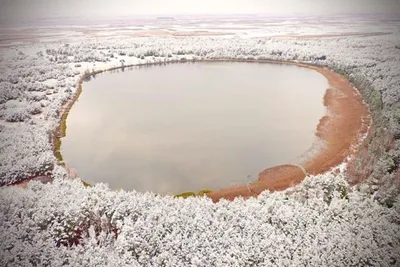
(191, 126)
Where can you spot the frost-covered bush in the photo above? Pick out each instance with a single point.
(36, 97)
(38, 87)
(17, 115)
(35, 108)
(8, 92)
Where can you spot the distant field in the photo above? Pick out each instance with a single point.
(73, 29)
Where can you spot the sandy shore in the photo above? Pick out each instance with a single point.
(347, 120)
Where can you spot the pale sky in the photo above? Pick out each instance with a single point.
(57, 8)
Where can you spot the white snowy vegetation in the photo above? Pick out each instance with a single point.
(321, 222)
(317, 223)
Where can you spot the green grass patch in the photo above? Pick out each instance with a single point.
(57, 147)
(86, 184)
(186, 195)
(201, 193)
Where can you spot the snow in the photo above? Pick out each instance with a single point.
(321, 222)
(51, 72)
(313, 225)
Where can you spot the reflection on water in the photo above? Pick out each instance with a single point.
(190, 126)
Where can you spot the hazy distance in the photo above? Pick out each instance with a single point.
(15, 9)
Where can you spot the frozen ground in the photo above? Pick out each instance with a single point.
(74, 29)
(320, 224)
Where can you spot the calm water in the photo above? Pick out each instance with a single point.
(190, 126)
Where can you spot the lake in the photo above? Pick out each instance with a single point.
(192, 126)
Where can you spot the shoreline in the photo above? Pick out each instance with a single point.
(346, 111)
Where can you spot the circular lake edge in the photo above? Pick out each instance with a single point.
(346, 111)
